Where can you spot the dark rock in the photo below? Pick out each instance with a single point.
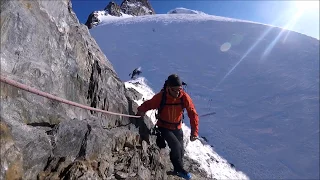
(113, 9)
(121, 175)
(69, 138)
(137, 7)
(133, 94)
(130, 7)
(232, 165)
(92, 20)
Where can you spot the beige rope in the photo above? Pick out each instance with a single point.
(44, 94)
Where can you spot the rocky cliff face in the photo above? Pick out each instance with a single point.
(127, 7)
(44, 46)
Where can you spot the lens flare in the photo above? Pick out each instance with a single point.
(290, 24)
(225, 47)
(245, 55)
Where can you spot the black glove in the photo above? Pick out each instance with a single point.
(193, 138)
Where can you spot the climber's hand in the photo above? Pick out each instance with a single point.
(193, 138)
(139, 113)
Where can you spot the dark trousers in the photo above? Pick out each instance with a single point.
(174, 139)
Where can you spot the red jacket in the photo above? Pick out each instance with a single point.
(173, 113)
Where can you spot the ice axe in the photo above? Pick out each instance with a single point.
(207, 114)
(202, 140)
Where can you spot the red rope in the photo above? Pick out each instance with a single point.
(44, 94)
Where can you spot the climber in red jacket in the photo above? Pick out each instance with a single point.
(170, 103)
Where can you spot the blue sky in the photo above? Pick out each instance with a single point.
(303, 18)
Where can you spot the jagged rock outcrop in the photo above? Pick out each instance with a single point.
(128, 7)
(137, 7)
(44, 46)
(113, 9)
(93, 19)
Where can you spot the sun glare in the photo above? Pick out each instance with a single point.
(307, 5)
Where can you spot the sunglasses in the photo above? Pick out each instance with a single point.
(175, 89)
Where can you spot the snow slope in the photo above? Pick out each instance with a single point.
(262, 81)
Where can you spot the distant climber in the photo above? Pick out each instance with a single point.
(136, 71)
(170, 102)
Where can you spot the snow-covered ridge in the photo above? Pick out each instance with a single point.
(114, 13)
(107, 17)
(215, 166)
(181, 10)
(171, 18)
(99, 17)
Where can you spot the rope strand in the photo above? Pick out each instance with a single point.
(44, 94)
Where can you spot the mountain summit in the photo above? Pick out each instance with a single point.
(128, 8)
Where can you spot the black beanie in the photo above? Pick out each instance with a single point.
(174, 80)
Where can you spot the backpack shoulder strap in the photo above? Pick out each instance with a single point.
(181, 100)
(162, 102)
(182, 106)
